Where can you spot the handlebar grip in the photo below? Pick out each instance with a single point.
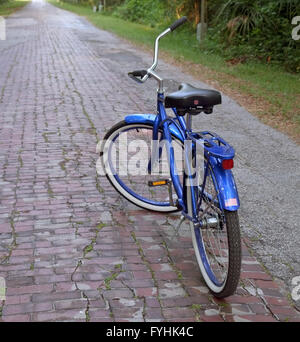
(178, 23)
(137, 73)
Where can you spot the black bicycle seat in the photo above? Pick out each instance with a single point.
(189, 97)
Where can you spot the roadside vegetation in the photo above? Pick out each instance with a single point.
(248, 51)
(7, 7)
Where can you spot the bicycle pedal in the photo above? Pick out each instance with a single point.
(159, 182)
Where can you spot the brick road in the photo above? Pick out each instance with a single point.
(70, 248)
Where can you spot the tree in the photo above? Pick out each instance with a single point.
(203, 19)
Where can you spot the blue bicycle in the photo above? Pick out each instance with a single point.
(158, 162)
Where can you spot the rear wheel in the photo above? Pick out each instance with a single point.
(217, 242)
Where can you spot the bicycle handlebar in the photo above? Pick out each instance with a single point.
(178, 23)
(141, 76)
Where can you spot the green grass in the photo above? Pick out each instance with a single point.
(267, 90)
(11, 6)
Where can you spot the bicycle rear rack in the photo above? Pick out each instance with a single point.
(213, 144)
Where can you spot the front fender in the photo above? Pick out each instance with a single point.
(149, 119)
(228, 194)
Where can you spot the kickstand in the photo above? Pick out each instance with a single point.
(182, 218)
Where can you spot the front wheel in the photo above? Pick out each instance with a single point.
(125, 156)
(217, 243)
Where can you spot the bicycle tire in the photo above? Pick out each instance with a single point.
(120, 184)
(203, 247)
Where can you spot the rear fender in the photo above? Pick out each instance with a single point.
(228, 194)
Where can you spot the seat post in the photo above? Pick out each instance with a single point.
(188, 122)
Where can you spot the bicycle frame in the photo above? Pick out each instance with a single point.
(181, 129)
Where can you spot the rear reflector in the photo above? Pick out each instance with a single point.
(227, 164)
